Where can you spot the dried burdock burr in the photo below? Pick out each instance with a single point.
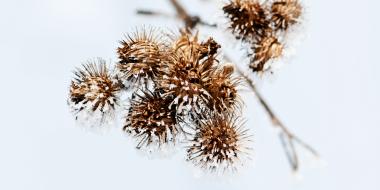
(285, 13)
(223, 89)
(220, 144)
(247, 19)
(265, 51)
(191, 90)
(188, 74)
(94, 92)
(141, 56)
(151, 121)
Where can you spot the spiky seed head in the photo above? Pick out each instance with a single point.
(266, 50)
(141, 56)
(188, 73)
(223, 89)
(151, 120)
(219, 144)
(94, 90)
(247, 19)
(285, 13)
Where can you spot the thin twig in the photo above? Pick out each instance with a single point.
(288, 139)
(190, 21)
(151, 13)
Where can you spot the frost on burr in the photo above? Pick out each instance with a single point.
(220, 144)
(151, 121)
(285, 13)
(265, 51)
(247, 19)
(94, 94)
(187, 75)
(223, 89)
(141, 56)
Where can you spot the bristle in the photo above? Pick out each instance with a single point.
(151, 121)
(220, 144)
(285, 13)
(188, 73)
(266, 50)
(223, 89)
(94, 89)
(141, 56)
(247, 19)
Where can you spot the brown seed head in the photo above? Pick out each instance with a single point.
(285, 13)
(94, 89)
(189, 73)
(265, 50)
(222, 88)
(151, 121)
(141, 56)
(219, 144)
(248, 19)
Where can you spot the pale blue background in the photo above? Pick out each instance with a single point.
(329, 95)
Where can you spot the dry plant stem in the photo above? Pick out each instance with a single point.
(288, 139)
(180, 10)
(152, 13)
(189, 20)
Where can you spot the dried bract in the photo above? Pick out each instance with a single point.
(94, 90)
(141, 56)
(247, 19)
(220, 144)
(209, 48)
(151, 121)
(266, 50)
(285, 13)
(189, 43)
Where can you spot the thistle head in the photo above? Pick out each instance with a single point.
(141, 56)
(247, 19)
(219, 144)
(94, 90)
(285, 13)
(265, 51)
(151, 120)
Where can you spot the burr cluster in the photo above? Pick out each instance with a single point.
(180, 95)
(263, 26)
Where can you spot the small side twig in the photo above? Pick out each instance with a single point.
(151, 13)
(190, 21)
